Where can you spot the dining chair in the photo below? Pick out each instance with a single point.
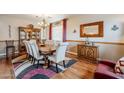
(31, 52)
(10, 48)
(35, 52)
(35, 42)
(28, 50)
(56, 43)
(49, 42)
(59, 56)
(36, 45)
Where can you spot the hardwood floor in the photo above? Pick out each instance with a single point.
(6, 70)
(82, 69)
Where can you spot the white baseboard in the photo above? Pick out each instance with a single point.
(73, 53)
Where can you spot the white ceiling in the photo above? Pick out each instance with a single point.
(52, 18)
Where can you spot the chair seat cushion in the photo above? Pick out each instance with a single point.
(40, 57)
(119, 67)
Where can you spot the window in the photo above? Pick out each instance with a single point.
(57, 31)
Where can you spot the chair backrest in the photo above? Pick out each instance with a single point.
(34, 48)
(29, 48)
(56, 43)
(35, 42)
(9, 43)
(49, 42)
(60, 52)
(26, 45)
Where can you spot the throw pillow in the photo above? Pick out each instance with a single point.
(119, 67)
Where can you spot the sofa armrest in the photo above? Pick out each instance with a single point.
(107, 62)
(108, 75)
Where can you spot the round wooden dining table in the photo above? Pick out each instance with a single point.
(46, 51)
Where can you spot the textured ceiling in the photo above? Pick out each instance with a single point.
(52, 18)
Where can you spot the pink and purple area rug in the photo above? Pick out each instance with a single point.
(25, 70)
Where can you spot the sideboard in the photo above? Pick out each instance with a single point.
(89, 52)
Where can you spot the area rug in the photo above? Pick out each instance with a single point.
(25, 70)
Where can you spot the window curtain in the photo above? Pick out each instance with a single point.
(57, 30)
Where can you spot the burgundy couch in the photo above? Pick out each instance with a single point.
(105, 70)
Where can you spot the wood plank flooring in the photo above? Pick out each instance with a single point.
(6, 70)
(82, 69)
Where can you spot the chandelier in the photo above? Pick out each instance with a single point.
(43, 24)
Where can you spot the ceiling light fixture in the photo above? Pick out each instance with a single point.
(44, 23)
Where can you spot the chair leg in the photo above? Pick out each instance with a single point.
(33, 60)
(38, 64)
(45, 59)
(64, 63)
(27, 56)
(30, 59)
(48, 63)
(6, 53)
(13, 54)
(57, 68)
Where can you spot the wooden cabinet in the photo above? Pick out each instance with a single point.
(28, 33)
(88, 52)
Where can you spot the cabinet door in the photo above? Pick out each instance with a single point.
(88, 52)
(79, 52)
(33, 35)
(83, 51)
(92, 53)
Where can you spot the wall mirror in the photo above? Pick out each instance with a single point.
(94, 29)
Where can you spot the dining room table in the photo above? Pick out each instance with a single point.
(46, 51)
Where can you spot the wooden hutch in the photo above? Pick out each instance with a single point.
(28, 33)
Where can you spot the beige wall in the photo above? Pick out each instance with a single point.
(106, 51)
(15, 22)
(112, 52)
